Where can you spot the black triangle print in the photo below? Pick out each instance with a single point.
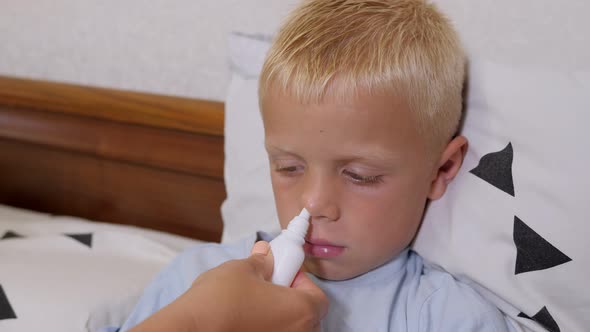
(544, 318)
(533, 252)
(84, 238)
(6, 311)
(10, 235)
(496, 169)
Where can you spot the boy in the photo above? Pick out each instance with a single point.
(361, 101)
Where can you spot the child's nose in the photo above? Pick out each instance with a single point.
(320, 199)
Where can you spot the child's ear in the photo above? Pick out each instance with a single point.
(448, 166)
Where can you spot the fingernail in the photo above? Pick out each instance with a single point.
(260, 248)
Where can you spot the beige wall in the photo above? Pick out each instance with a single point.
(166, 46)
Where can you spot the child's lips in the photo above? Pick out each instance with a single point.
(322, 249)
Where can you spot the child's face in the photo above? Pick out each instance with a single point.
(361, 170)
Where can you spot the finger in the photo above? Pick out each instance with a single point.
(260, 248)
(262, 264)
(318, 298)
(302, 281)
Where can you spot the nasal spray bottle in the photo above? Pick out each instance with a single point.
(287, 250)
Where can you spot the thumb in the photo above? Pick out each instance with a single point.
(261, 259)
(318, 298)
(260, 248)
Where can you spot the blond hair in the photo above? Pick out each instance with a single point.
(341, 47)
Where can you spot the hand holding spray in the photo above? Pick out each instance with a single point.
(287, 250)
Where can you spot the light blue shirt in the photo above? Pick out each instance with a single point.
(402, 295)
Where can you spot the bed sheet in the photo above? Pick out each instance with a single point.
(68, 274)
(37, 223)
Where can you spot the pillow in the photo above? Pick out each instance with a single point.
(515, 218)
(38, 223)
(249, 206)
(62, 274)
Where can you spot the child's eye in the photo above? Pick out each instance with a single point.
(360, 179)
(288, 170)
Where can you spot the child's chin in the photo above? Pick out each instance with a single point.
(329, 270)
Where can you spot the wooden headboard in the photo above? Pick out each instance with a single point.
(116, 156)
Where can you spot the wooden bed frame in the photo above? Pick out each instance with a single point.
(116, 156)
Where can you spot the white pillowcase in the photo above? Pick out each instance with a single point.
(515, 219)
(66, 274)
(249, 206)
(517, 223)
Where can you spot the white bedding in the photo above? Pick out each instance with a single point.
(37, 223)
(68, 274)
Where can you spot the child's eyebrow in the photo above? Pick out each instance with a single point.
(275, 149)
(373, 156)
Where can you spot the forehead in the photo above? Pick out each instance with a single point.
(364, 122)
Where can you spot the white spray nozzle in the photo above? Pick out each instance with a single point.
(304, 214)
(300, 223)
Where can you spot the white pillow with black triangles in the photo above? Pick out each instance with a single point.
(69, 275)
(515, 220)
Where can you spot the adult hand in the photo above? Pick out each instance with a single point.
(238, 296)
